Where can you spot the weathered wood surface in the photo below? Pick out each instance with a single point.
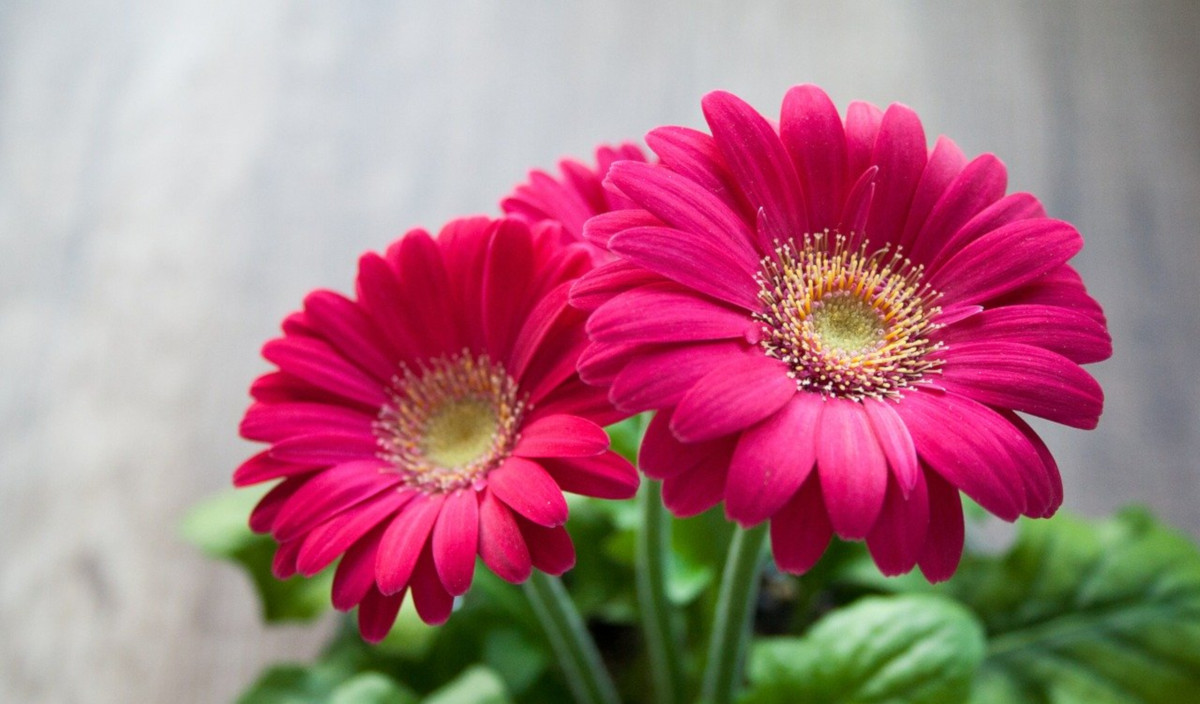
(174, 177)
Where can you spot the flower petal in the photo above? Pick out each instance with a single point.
(456, 541)
(320, 365)
(1004, 259)
(334, 537)
(529, 490)
(898, 536)
(348, 329)
(800, 531)
(561, 436)
(749, 389)
(376, 614)
(1074, 335)
(506, 272)
(698, 488)
(605, 476)
(772, 460)
(662, 455)
(660, 376)
(550, 549)
(355, 574)
(981, 183)
(432, 601)
(852, 468)
(599, 285)
(271, 422)
(403, 542)
(501, 544)
(1024, 378)
(599, 229)
(900, 153)
(811, 130)
(944, 539)
(895, 441)
(946, 162)
(262, 467)
(665, 313)
(328, 493)
(330, 447)
(759, 163)
(701, 263)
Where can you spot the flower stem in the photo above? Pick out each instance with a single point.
(731, 623)
(655, 609)
(576, 651)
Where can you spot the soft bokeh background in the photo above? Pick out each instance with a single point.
(175, 176)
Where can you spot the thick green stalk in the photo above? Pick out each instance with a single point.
(662, 644)
(731, 623)
(577, 653)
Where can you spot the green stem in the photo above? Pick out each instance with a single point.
(731, 624)
(576, 651)
(656, 611)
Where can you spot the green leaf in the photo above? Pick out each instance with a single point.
(912, 649)
(1081, 612)
(476, 685)
(626, 436)
(371, 688)
(218, 526)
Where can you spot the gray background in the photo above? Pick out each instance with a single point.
(174, 177)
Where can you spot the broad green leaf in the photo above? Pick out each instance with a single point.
(880, 650)
(219, 527)
(371, 688)
(476, 685)
(1083, 613)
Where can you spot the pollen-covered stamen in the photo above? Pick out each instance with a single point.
(849, 323)
(450, 422)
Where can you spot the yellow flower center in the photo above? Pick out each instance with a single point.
(848, 323)
(450, 424)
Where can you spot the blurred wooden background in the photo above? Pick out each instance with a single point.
(175, 176)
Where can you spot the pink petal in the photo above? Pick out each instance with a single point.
(599, 285)
(381, 295)
(1045, 472)
(858, 203)
(1074, 335)
(507, 270)
(283, 565)
(347, 327)
(895, 441)
(696, 489)
(550, 549)
(659, 377)
(1024, 378)
(262, 467)
(726, 400)
(427, 289)
(684, 205)
(377, 613)
(529, 490)
(600, 362)
(862, 130)
(800, 531)
(561, 436)
(605, 476)
(318, 364)
(403, 542)
(270, 422)
(694, 154)
(555, 362)
(980, 184)
(600, 229)
(944, 539)
(772, 460)
(328, 493)
(811, 130)
(330, 447)
(432, 601)
(898, 537)
(953, 436)
(694, 260)
(662, 455)
(665, 313)
(334, 537)
(1009, 209)
(545, 314)
(355, 574)
(759, 163)
(463, 242)
(456, 540)
(946, 162)
(852, 468)
(573, 397)
(1062, 288)
(1004, 259)
(262, 518)
(501, 544)
(900, 152)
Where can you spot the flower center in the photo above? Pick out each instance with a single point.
(450, 423)
(849, 323)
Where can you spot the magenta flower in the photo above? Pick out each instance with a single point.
(576, 196)
(837, 326)
(435, 417)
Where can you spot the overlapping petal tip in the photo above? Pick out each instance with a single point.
(770, 223)
(435, 417)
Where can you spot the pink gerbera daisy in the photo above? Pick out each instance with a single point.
(434, 417)
(837, 325)
(576, 196)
